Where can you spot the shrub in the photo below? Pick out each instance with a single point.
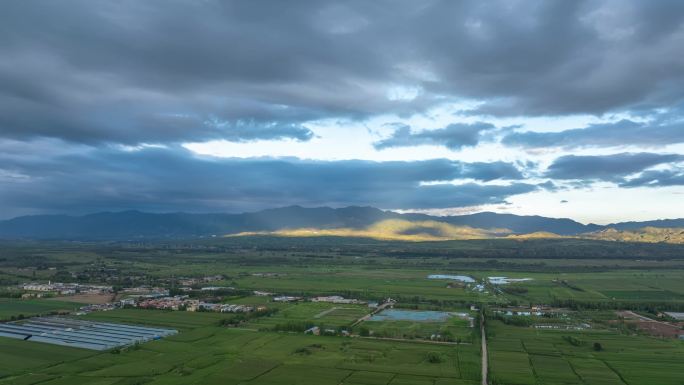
(574, 341)
(303, 351)
(434, 358)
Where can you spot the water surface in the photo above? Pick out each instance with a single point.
(462, 278)
(411, 315)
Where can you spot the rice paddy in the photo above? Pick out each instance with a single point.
(214, 355)
(522, 355)
(429, 337)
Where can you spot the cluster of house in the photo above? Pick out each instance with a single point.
(581, 326)
(287, 298)
(519, 312)
(160, 292)
(260, 293)
(315, 330)
(228, 308)
(98, 307)
(37, 289)
(268, 275)
(529, 311)
(145, 291)
(182, 302)
(337, 299)
(170, 303)
(184, 281)
(330, 299)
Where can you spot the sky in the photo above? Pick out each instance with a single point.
(555, 108)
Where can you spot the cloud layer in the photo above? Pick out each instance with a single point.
(97, 101)
(135, 72)
(454, 136)
(173, 179)
(622, 133)
(607, 167)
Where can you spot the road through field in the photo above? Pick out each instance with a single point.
(369, 315)
(484, 350)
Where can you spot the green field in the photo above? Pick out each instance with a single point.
(206, 354)
(30, 307)
(321, 314)
(452, 329)
(584, 282)
(373, 283)
(181, 320)
(521, 355)
(18, 356)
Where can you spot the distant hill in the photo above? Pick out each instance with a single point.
(661, 223)
(140, 225)
(646, 234)
(136, 224)
(536, 235)
(393, 229)
(523, 224)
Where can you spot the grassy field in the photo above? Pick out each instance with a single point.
(373, 283)
(609, 286)
(600, 286)
(30, 307)
(318, 313)
(522, 355)
(180, 320)
(455, 328)
(17, 356)
(588, 280)
(206, 354)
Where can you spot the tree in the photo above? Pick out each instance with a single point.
(434, 358)
(597, 346)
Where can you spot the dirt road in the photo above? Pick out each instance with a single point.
(651, 326)
(630, 314)
(377, 310)
(484, 351)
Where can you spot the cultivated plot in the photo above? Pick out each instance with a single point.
(523, 355)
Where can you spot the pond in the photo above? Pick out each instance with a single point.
(461, 278)
(411, 315)
(506, 280)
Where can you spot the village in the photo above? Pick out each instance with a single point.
(196, 294)
(38, 290)
(160, 300)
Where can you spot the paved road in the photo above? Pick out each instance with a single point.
(377, 310)
(484, 351)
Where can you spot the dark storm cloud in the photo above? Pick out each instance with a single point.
(607, 167)
(157, 179)
(79, 78)
(454, 136)
(162, 71)
(624, 132)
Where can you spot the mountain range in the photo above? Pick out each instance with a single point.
(297, 221)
